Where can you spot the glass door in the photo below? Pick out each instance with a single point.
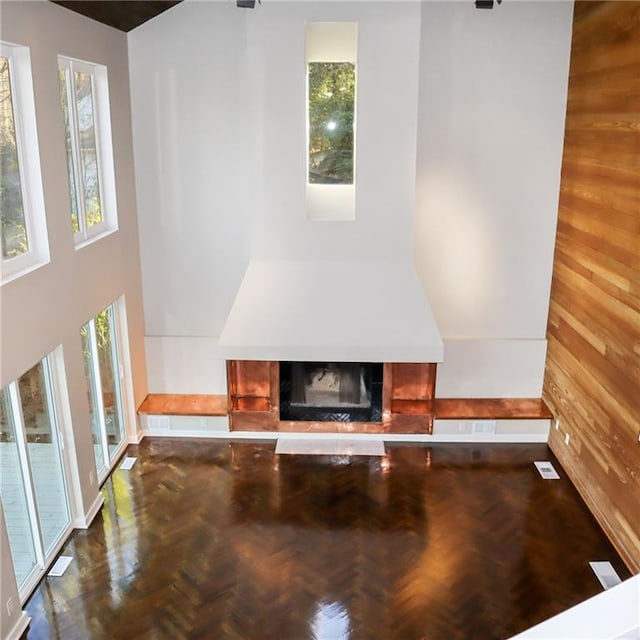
(92, 374)
(17, 511)
(44, 454)
(104, 386)
(34, 487)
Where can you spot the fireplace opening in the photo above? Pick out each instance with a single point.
(331, 391)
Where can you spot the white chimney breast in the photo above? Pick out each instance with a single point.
(336, 311)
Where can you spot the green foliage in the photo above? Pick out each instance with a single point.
(12, 222)
(104, 328)
(82, 159)
(332, 87)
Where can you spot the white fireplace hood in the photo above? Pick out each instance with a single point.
(331, 311)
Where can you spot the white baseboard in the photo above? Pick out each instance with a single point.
(136, 438)
(189, 426)
(495, 430)
(85, 522)
(19, 627)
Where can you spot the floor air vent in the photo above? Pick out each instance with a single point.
(546, 470)
(606, 574)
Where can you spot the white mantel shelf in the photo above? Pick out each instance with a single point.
(372, 311)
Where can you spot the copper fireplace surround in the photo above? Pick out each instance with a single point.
(253, 388)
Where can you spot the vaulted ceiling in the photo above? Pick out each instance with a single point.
(121, 14)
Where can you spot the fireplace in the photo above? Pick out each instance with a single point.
(330, 397)
(331, 391)
(305, 314)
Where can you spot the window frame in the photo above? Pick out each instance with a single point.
(104, 150)
(44, 555)
(110, 458)
(331, 42)
(29, 168)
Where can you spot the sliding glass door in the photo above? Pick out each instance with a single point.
(34, 486)
(17, 510)
(104, 382)
(43, 451)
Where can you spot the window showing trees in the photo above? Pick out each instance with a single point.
(22, 221)
(104, 386)
(332, 87)
(33, 480)
(15, 240)
(83, 90)
(331, 54)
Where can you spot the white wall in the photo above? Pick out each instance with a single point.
(387, 91)
(490, 133)
(13, 620)
(183, 364)
(194, 168)
(219, 136)
(47, 307)
(613, 614)
(474, 100)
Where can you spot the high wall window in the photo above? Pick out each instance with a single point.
(104, 375)
(22, 220)
(33, 479)
(332, 92)
(331, 54)
(85, 106)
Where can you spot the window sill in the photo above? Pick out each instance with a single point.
(81, 244)
(6, 278)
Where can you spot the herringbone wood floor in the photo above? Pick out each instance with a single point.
(210, 539)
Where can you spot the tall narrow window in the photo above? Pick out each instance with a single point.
(22, 223)
(85, 107)
(15, 240)
(103, 372)
(332, 89)
(331, 52)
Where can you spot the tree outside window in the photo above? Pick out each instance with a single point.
(15, 241)
(331, 122)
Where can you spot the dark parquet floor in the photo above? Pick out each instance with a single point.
(219, 540)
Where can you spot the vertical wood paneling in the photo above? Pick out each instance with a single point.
(592, 377)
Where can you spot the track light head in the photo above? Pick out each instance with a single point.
(485, 4)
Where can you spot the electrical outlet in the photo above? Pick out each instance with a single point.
(483, 427)
(92, 477)
(464, 427)
(10, 606)
(567, 439)
(557, 424)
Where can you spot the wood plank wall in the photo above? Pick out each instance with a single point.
(592, 379)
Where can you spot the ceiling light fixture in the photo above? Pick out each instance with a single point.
(247, 4)
(486, 4)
